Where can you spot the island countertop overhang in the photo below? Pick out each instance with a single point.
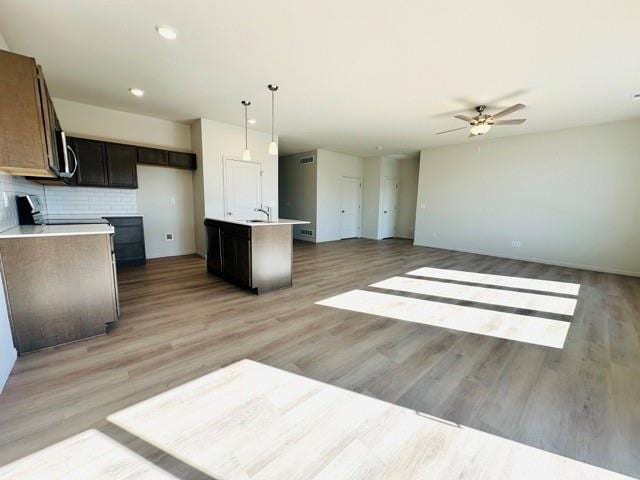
(260, 223)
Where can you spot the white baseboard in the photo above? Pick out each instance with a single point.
(545, 261)
(174, 254)
(304, 238)
(6, 366)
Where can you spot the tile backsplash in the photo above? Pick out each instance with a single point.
(11, 186)
(70, 202)
(64, 202)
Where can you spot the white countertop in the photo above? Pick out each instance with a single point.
(23, 231)
(259, 223)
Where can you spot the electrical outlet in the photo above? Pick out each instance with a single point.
(516, 243)
(168, 237)
(6, 199)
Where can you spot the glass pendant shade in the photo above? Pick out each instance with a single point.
(273, 148)
(246, 155)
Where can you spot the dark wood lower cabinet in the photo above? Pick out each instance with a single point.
(236, 259)
(128, 240)
(255, 257)
(214, 248)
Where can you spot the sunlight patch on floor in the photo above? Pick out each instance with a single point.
(252, 421)
(88, 455)
(510, 326)
(499, 280)
(492, 296)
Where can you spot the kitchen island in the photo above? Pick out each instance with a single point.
(60, 282)
(255, 254)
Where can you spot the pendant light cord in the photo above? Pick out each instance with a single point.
(272, 113)
(246, 134)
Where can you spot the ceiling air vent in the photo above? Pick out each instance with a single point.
(306, 160)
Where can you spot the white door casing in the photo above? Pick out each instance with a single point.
(242, 189)
(390, 192)
(351, 189)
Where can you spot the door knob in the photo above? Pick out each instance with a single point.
(385, 211)
(228, 213)
(342, 211)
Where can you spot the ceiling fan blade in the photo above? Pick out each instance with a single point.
(514, 108)
(464, 118)
(452, 130)
(515, 121)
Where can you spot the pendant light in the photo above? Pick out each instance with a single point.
(246, 154)
(273, 146)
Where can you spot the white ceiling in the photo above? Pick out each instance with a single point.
(353, 73)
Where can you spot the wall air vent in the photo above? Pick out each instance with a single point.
(306, 160)
(308, 233)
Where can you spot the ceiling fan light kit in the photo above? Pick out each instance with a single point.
(483, 122)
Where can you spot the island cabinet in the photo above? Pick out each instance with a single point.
(253, 255)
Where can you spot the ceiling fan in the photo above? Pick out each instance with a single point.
(482, 122)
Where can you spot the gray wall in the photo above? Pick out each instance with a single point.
(571, 197)
(297, 192)
(332, 166)
(376, 169)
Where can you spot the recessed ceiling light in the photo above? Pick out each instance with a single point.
(136, 92)
(378, 148)
(252, 121)
(167, 32)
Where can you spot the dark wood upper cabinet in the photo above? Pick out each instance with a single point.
(92, 162)
(121, 165)
(182, 160)
(108, 164)
(153, 156)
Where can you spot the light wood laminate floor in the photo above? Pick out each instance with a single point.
(581, 401)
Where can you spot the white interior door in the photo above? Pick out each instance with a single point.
(350, 207)
(390, 190)
(242, 189)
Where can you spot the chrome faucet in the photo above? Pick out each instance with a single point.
(265, 210)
